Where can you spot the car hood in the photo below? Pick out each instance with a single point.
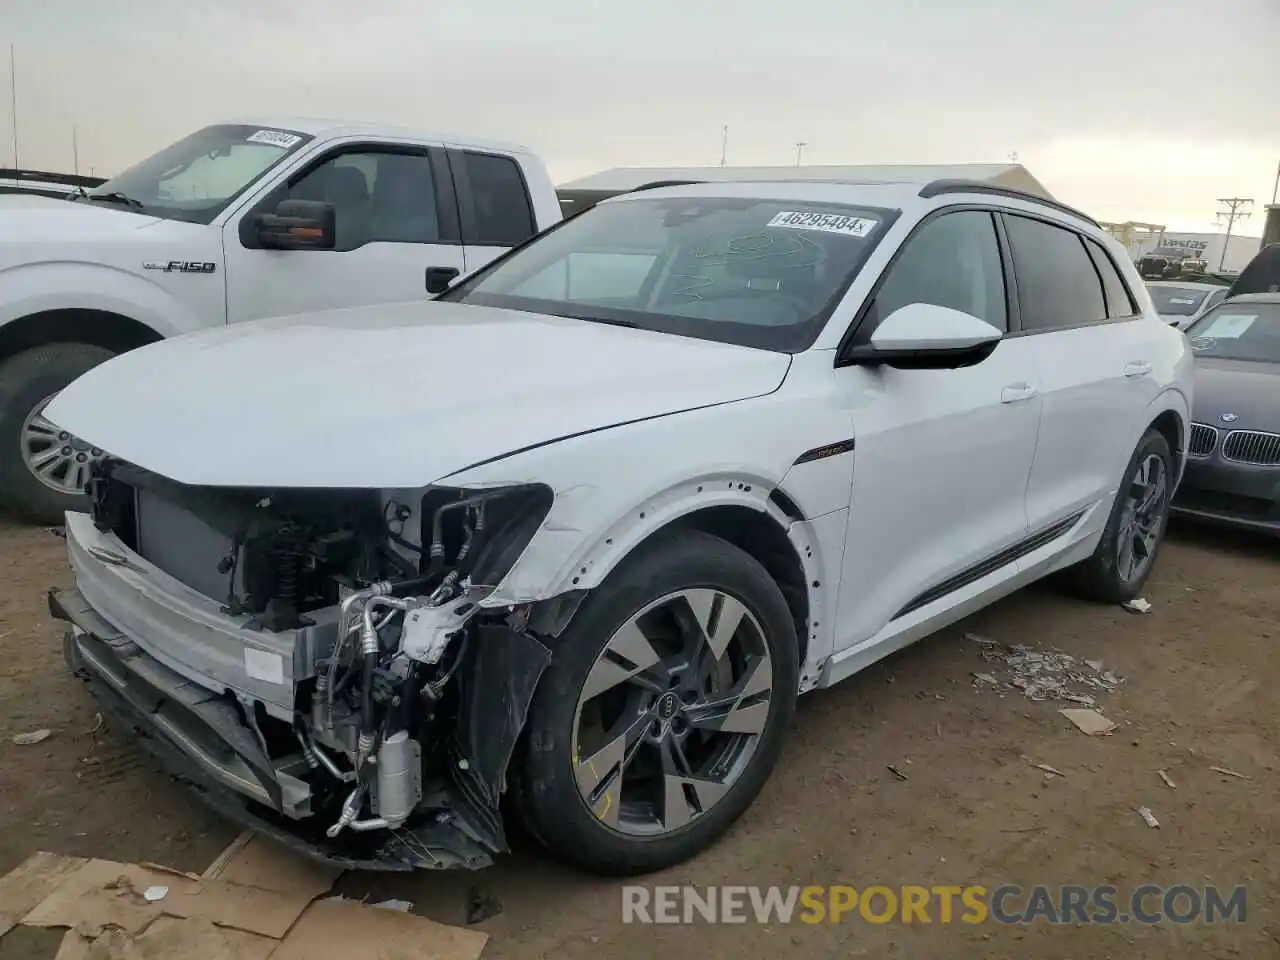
(29, 218)
(1247, 392)
(393, 396)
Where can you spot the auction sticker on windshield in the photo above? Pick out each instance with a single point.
(276, 138)
(824, 223)
(1228, 326)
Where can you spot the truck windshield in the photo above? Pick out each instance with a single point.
(745, 270)
(195, 178)
(1238, 331)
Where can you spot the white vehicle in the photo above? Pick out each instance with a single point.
(1180, 303)
(238, 221)
(582, 529)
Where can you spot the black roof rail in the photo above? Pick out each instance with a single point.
(655, 184)
(940, 187)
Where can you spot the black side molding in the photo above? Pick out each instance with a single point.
(993, 563)
(939, 187)
(826, 450)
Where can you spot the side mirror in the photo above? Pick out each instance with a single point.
(298, 225)
(924, 336)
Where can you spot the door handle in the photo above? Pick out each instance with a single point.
(1017, 392)
(439, 278)
(1137, 368)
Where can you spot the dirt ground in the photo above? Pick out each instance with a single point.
(1200, 691)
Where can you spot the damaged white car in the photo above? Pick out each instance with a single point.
(570, 540)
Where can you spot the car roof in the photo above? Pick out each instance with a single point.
(328, 127)
(907, 196)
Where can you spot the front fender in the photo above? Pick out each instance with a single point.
(80, 285)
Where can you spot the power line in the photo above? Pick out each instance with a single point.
(1235, 210)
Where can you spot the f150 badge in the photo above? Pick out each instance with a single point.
(181, 266)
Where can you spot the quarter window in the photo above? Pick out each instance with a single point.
(1120, 303)
(953, 261)
(1058, 285)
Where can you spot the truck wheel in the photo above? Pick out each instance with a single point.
(663, 710)
(42, 469)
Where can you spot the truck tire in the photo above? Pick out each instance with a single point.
(28, 381)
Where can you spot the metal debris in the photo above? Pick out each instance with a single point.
(400, 906)
(1138, 605)
(1044, 675)
(32, 738)
(1230, 773)
(1051, 771)
(896, 772)
(1167, 782)
(1148, 816)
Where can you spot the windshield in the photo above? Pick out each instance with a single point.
(195, 178)
(762, 273)
(1177, 301)
(1238, 331)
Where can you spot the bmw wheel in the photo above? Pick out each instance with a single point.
(664, 708)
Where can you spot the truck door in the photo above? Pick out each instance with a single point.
(396, 220)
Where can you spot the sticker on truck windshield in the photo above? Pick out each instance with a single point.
(276, 138)
(840, 223)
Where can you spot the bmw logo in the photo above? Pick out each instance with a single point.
(1230, 418)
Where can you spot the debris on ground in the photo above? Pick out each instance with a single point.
(896, 772)
(1167, 782)
(1051, 771)
(1230, 773)
(32, 738)
(1148, 816)
(481, 906)
(1090, 722)
(1044, 675)
(1139, 605)
(128, 911)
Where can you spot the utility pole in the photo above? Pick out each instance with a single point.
(75, 150)
(1275, 191)
(1235, 210)
(13, 105)
(724, 146)
(800, 145)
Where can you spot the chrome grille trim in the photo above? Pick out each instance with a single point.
(1252, 446)
(1204, 439)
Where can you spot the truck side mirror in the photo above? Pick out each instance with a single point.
(297, 225)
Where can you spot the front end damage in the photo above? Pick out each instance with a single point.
(319, 664)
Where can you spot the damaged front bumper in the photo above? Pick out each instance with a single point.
(167, 671)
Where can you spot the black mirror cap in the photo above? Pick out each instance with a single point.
(298, 225)
(865, 355)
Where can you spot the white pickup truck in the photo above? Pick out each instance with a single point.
(238, 221)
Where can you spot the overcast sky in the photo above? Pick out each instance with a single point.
(1132, 109)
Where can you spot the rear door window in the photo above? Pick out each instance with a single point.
(1058, 285)
(1120, 303)
(501, 214)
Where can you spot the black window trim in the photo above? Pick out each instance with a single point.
(1005, 212)
(457, 157)
(855, 335)
(446, 201)
(1091, 247)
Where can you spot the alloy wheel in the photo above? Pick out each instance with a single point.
(57, 459)
(671, 712)
(1142, 520)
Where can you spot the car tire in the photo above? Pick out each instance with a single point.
(545, 781)
(27, 380)
(1101, 577)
